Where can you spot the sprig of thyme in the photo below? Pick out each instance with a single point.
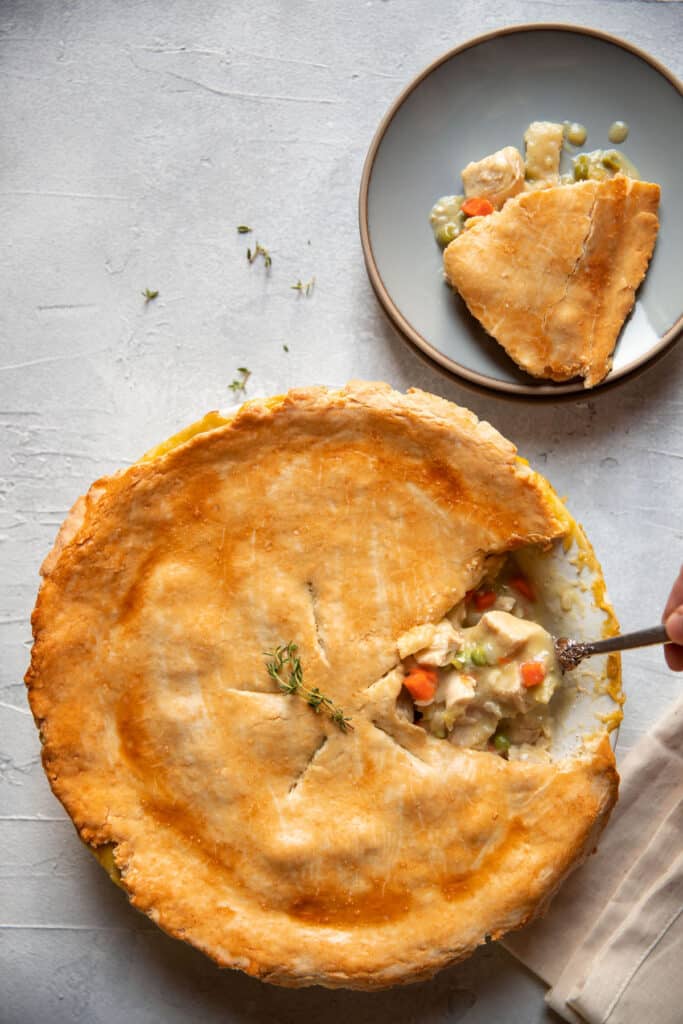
(284, 667)
(148, 295)
(240, 383)
(303, 287)
(259, 250)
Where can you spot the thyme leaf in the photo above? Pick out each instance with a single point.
(284, 668)
(259, 250)
(149, 295)
(240, 383)
(242, 229)
(303, 287)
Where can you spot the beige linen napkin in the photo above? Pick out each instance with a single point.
(611, 945)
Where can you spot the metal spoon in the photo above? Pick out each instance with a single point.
(571, 653)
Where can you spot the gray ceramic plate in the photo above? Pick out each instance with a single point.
(475, 100)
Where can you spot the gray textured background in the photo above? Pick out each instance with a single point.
(135, 137)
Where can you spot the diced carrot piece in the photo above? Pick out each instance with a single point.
(421, 683)
(533, 673)
(483, 599)
(477, 206)
(523, 587)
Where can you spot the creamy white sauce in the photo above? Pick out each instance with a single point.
(504, 174)
(447, 219)
(602, 164)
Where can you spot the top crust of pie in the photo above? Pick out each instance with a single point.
(241, 821)
(552, 276)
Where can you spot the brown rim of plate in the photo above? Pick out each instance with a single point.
(437, 359)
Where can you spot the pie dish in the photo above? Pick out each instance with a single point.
(553, 274)
(231, 813)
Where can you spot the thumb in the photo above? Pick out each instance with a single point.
(674, 625)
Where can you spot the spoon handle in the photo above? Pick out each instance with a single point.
(641, 638)
(571, 653)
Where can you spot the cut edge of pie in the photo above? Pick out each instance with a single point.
(362, 860)
(552, 276)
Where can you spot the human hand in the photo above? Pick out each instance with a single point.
(673, 620)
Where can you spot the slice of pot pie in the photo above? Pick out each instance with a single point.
(554, 278)
(248, 650)
(552, 275)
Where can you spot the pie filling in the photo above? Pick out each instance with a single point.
(483, 677)
(488, 183)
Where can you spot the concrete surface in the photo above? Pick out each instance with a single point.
(136, 136)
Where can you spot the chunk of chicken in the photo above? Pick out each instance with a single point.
(497, 177)
(504, 688)
(474, 729)
(510, 632)
(456, 689)
(444, 640)
(528, 728)
(543, 141)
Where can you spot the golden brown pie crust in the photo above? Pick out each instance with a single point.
(553, 275)
(241, 821)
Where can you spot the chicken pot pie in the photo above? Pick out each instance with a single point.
(225, 795)
(549, 263)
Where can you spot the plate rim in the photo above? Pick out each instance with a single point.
(443, 362)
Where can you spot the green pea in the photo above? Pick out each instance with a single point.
(501, 743)
(478, 656)
(445, 233)
(446, 219)
(612, 160)
(581, 168)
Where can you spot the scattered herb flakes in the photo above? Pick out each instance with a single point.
(259, 250)
(284, 667)
(242, 229)
(285, 348)
(149, 295)
(240, 383)
(303, 287)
